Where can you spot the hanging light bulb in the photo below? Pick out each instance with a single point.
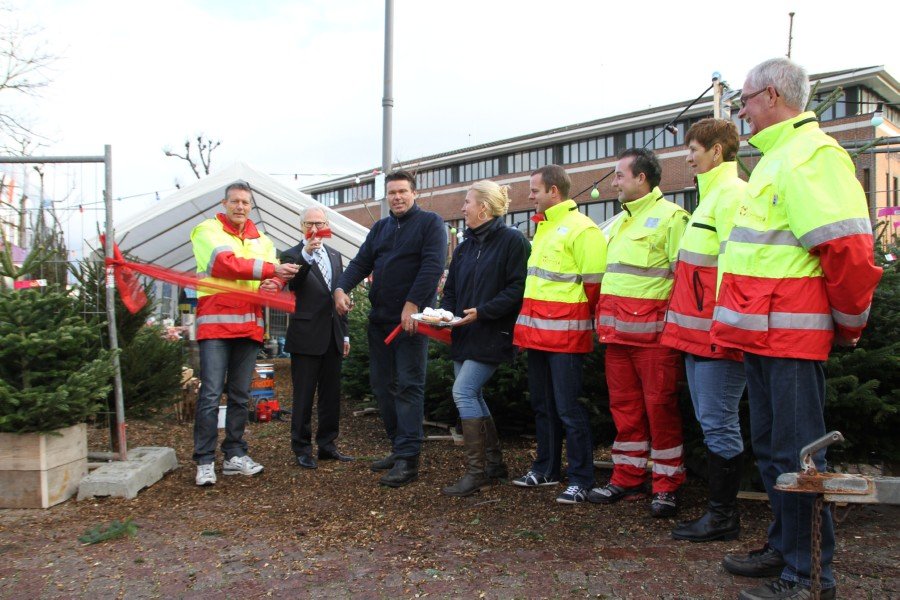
(595, 193)
(878, 117)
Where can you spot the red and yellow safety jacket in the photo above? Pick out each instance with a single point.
(643, 247)
(690, 312)
(226, 256)
(799, 262)
(568, 256)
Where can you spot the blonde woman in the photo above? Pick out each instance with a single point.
(485, 287)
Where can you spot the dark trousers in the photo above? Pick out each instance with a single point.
(397, 375)
(787, 403)
(554, 386)
(311, 373)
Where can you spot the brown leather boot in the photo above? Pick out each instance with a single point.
(474, 478)
(495, 468)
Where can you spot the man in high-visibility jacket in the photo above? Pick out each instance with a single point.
(568, 256)
(798, 274)
(641, 373)
(230, 250)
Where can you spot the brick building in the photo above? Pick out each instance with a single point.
(588, 151)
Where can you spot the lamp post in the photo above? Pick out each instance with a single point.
(387, 101)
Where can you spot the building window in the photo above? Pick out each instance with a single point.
(529, 161)
(589, 149)
(480, 169)
(686, 200)
(363, 191)
(522, 221)
(599, 211)
(434, 178)
(329, 198)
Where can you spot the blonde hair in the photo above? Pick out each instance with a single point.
(494, 197)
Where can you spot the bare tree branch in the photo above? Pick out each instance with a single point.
(24, 67)
(205, 147)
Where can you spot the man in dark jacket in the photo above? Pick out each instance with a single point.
(317, 340)
(405, 253)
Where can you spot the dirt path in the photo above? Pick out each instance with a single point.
(334, 533)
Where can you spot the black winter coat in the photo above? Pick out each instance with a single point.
(487, 275)
(405, 257)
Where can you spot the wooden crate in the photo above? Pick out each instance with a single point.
(40, 470)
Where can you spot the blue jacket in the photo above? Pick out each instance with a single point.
(487, 273)
(405, 257)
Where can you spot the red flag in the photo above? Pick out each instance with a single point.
(130, 289)
(323, 233)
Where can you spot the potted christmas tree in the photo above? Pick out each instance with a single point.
(52, 380)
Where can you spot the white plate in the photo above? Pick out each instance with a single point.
(421, 319)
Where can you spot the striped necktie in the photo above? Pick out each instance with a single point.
(320, 260)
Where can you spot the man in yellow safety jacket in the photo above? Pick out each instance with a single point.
(798, 274)
(641, 373)
(568, 256)
(230, 250)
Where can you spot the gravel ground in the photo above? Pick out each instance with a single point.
(335, 533)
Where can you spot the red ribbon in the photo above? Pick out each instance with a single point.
(441, 334)
(282, 301)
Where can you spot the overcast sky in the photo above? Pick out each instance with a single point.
(295, 86)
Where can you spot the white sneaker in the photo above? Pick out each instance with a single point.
(241, 465)
(206, 474)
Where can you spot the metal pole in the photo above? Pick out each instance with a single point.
(717, 96)
(387, 101)
(790, 33)
(111, 308)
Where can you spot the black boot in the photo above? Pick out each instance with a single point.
(405, 470)
(474, 478)
(722, 520)
(495, 468)
(383, 464)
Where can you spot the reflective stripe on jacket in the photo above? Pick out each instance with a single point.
(643, 246)
(225, 256)
(799, 261)
(568, 257)
(689, 317)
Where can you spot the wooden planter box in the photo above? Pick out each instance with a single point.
(39, 470)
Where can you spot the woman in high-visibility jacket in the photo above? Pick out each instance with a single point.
(715, 375)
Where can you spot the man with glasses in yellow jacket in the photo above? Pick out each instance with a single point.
(798, 275)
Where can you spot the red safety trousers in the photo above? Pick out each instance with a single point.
(643, 399)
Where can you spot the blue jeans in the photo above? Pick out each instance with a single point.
(397, 376)
(471, 376)
(226, 365)
(716, 389)
(787, 400)
(554, 385)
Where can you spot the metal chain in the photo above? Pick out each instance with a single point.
(815, 551)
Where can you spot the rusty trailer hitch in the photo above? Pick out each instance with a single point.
(837, 487)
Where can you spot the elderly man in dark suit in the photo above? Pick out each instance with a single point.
(317, 340)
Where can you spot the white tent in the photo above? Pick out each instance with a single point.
(161, 234)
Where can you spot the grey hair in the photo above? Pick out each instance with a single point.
(315, 206)
(786, 76)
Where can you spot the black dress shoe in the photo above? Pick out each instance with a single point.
(333, 454)
(306, 461)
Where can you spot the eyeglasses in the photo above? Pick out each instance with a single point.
(744, 99)
(316, 224)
